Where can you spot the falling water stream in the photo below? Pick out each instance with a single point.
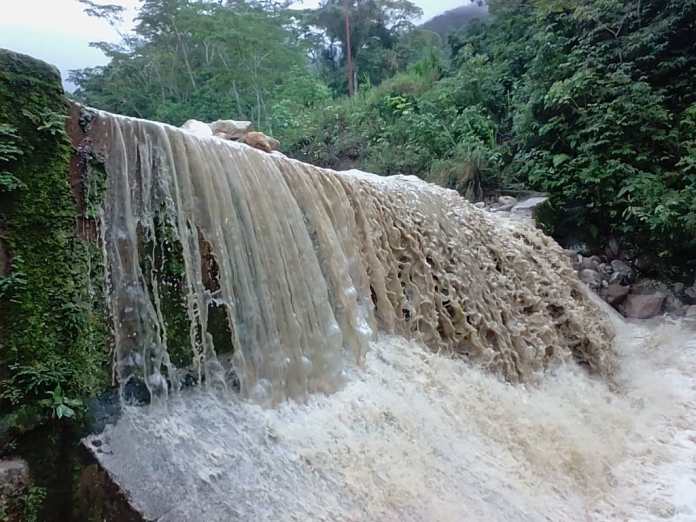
(397, 354)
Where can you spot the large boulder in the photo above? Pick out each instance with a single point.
(198, 128)
(615, 293)
(260, 141)
(643, 306)
(231, 129)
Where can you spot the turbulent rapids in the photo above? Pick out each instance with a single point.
(365, 348)
(308, 264)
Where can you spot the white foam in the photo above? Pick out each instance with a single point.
(417, 436)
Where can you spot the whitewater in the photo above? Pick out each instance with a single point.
(416, 436)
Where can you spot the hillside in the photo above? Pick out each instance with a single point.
(455, 18)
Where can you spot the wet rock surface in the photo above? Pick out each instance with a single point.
(14, 477)
(234, 130)
(101, 499)
(14, 483)
(615, 293)
(643, 306)
(621, 283)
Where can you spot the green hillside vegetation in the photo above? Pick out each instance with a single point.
(593, 102)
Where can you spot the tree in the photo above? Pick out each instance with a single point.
(190, 59)
(367, 31)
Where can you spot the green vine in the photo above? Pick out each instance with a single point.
(53, 333)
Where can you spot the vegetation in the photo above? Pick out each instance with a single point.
(592, 102)
(52, 334)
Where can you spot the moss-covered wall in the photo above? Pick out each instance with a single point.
(52, 325)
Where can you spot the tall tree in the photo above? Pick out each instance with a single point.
(206, 60)
(367, 31)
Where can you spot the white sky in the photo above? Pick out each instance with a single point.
(59, 32)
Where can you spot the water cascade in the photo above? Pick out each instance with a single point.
(308, 265)
(350, 347)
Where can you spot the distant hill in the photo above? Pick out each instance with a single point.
(455, 19)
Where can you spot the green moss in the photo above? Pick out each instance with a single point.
(162, 261)
(52, 322)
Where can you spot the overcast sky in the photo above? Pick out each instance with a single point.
(58, 32)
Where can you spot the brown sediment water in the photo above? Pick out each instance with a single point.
(311, 264)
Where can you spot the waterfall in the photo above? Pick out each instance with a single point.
(305, 266)
(325, 345)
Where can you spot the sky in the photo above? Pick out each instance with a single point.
(58, 32)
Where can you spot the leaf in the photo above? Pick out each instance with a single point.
(64, 411)
(560, 159)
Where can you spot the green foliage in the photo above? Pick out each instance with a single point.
(200, 60)
(28, 506)
(32, 503)
(60, 405)
(601, 119)
(9, 152)
(592, 102)
(53, 334)
(380, 31)
(416, 123)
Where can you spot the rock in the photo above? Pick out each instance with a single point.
(14, 478)
(507, 200)
(260, 141)
(690, 295)
(235, 130)
(673, 305)
(224, 136)
(198, 128)
(613, 250)
(591, 278)
(506, 203)
(605, 270)
(645, 264)
(615, 293)
(135, 392)
(643, 306)
(275, 144)
(99, 497)
(678, 288)
(621, 271)
(579, 247)
(480, 204)
(528, 205)
(650, 286)
(691, 312)
(590, 263)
